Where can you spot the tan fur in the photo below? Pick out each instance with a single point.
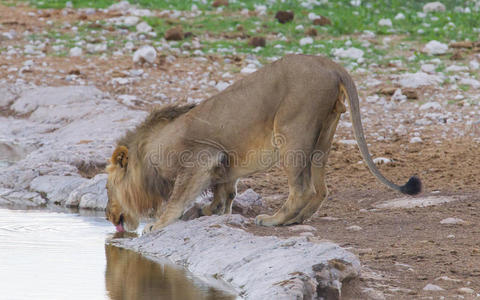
(285, 113)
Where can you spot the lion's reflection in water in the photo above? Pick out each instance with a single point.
(131, 276)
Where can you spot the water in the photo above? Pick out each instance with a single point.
(48, 255)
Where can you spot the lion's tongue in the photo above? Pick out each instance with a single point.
(120, 228)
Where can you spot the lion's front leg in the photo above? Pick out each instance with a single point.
(188, 185)
(223, 195)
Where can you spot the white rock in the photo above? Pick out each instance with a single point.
(20, 199)
(76, 51)
(465, 290)
(306, 41)
(130, 21)
(432, 288)
(415, 140)
(430, 105)
(312, 16)
(455, 68)
(302, 228)
(255, 265)
(414, 80)
(352, 53)
(221, 85)
(435, 48)
(400, 16)
(143, 27)
(471, 82)
(145, 54)
(249, 69)
(474, 65)
(433, 7)
(92, 194)
(56, 188)
(307, 234)
(398, 96)
(246, 201)
(354, 228)
(450, 236)
(382, 160)
(428, 68)
(7, 97)
(128, 100)
(68, 128)
(347, 142)
(446, 278)
(409, 202)
(385, 22)
(96, 48)
(260, 9)
(452, 221)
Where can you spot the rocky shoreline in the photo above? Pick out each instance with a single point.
(53, 138)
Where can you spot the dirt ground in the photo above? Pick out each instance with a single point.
(402, 250)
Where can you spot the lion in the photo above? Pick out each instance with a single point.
(285, 113)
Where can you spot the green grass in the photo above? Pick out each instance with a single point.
(347, 23)
(346, 18)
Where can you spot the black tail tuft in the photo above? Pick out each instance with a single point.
(412, 187)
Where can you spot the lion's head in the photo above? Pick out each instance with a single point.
(136, 186)
(117, 183)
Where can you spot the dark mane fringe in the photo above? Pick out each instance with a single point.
(164, 113)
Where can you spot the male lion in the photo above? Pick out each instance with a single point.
(285, 113)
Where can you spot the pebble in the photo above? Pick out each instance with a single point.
(352, 53)
(400, 16)
(96, 48)
(446, 278)
(302, 228)
(385, 22)
(433, 7)
(306, 41)
(143, 27)
(474, 65)
(433, 288)
(428, 68)
(76, 51)
(249, 69)
(354, 228)
(131, 20)
(452, 221)
(430, 105)
(415, 80)
(465, 290)
(145, 54)
(435, 48)
(382, 160)
(220, 86)
(415, 140)
(471, 82)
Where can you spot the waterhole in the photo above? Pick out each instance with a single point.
(49, 255)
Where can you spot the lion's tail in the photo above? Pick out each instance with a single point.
(347, 87)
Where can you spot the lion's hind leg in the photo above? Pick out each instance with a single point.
(318, 160)
(295, 150)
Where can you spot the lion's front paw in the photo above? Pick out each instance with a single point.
(149, 228)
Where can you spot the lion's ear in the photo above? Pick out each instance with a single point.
(120, 156)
